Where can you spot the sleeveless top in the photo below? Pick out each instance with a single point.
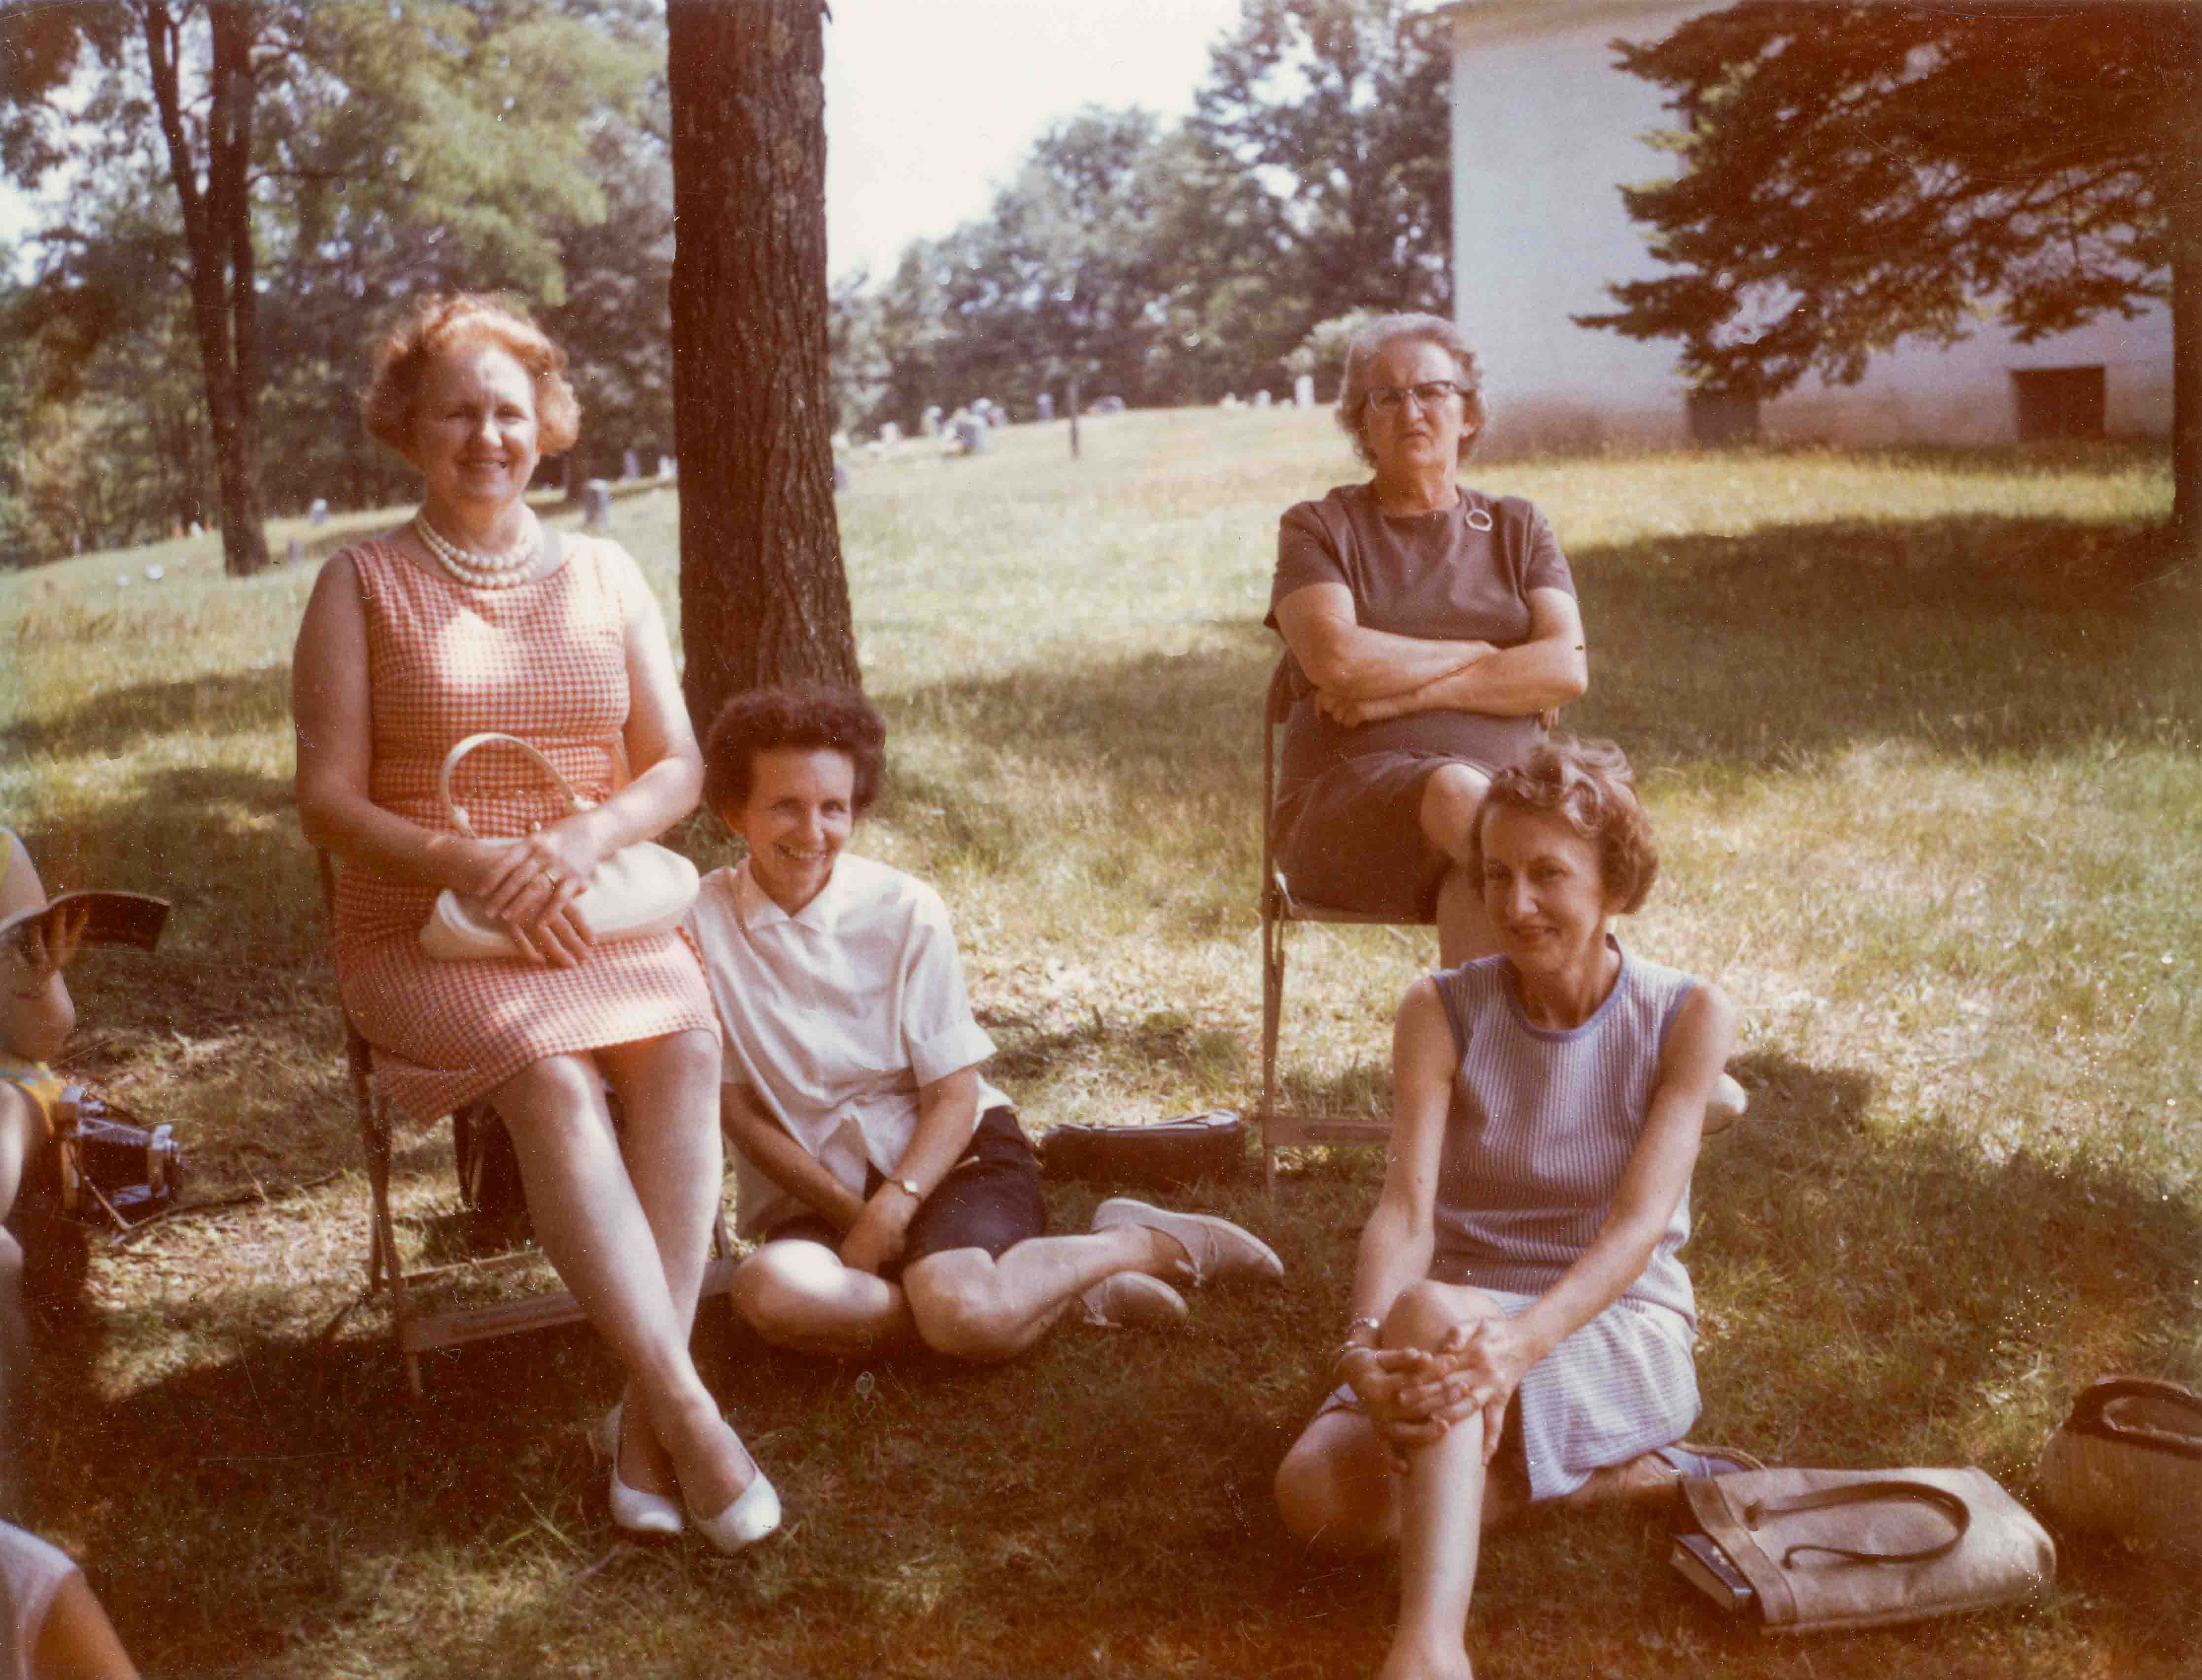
(1541, 1127)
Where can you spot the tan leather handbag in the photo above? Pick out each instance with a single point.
(639, 890)
(2128, 1461)
(1857, 1548)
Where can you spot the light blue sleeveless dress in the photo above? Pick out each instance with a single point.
(1540, 1129)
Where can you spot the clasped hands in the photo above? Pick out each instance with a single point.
(876, 1239)
(1414, 1395)
(530, 885)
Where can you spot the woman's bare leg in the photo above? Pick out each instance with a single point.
(796, 1293)
(668, 1092)
(19, 1122)
(590, 1223)
(1451, 796)
(1441, 1503)
(971, 1306)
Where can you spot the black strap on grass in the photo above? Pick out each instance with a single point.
(1867, 1493)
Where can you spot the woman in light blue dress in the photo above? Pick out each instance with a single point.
(1522, 1323)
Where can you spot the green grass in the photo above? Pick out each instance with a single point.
(1918, 732)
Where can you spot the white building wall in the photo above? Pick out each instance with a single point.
(1545, 130)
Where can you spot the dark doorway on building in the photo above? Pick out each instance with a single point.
(1715, 421)
(2058, 401)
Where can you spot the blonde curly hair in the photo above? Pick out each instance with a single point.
(435, 324)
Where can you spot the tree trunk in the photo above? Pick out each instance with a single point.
(2183, 141)
(218, 234)
(764, 597)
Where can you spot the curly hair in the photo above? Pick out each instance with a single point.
(400, 359)
(1587, 788)
(806, 716)
(1367, 342)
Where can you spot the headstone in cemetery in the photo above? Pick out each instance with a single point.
(971, 433)
(1303, 391)
(840, 473)
(318, 514)
(153, 575)
(1230, 401)
(1261, 399)
(294, 552)
(891, 435)
(1108, 405)
(596, 501)
(198, 529)
(630, 466)
(929, 421)
(669, 468)
(1046, 405)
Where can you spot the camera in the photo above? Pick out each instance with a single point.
(113, 1170)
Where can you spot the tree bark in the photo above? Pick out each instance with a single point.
(2183, 144)
(763, 597)
(218, 236)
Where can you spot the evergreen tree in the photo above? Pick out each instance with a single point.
(1857, 176)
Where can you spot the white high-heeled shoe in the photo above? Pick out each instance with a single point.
(749, 1519)
(633, 1509)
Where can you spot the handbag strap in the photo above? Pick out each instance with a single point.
(457, 812)
(2091, 1417)
(1868, 1492)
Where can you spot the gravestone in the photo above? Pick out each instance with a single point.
(890, 435)
(971, 433)
(665, 468)
(596, 501)
(153, 574)
(318, 514)
(198, 529)
(1047, 406)
(630, 466)
(293, 552)
(1261, 399)
(929, 421)
(840, 473)
(1230, 401)
(1303, 391)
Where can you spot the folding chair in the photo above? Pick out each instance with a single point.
(1281, 1128)
(414, 1329)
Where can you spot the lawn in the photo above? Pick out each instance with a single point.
(1919, 736)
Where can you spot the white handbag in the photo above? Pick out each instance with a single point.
(639, 890)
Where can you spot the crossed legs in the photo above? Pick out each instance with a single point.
(964, 1302)
(625, 1222)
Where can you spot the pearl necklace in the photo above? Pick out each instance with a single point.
(483, 571)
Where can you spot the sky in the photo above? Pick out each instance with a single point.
(932, 105)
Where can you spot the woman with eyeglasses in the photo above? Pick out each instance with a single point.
(1434, 632)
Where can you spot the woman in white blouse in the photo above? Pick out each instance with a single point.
(894, 1196)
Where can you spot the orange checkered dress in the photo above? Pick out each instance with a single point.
(546, 661)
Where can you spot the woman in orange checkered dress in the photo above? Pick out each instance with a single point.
(471, 617)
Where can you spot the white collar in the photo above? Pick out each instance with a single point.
(759, 909)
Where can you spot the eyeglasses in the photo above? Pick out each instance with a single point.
(1391, 398)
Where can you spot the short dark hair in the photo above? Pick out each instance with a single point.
(806, 716)
(1588, 787)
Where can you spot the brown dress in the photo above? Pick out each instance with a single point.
(546, 661)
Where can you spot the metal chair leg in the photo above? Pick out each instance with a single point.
(1273, 1003)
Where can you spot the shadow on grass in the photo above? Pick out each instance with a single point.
(117, 721)
(1870, 1297)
